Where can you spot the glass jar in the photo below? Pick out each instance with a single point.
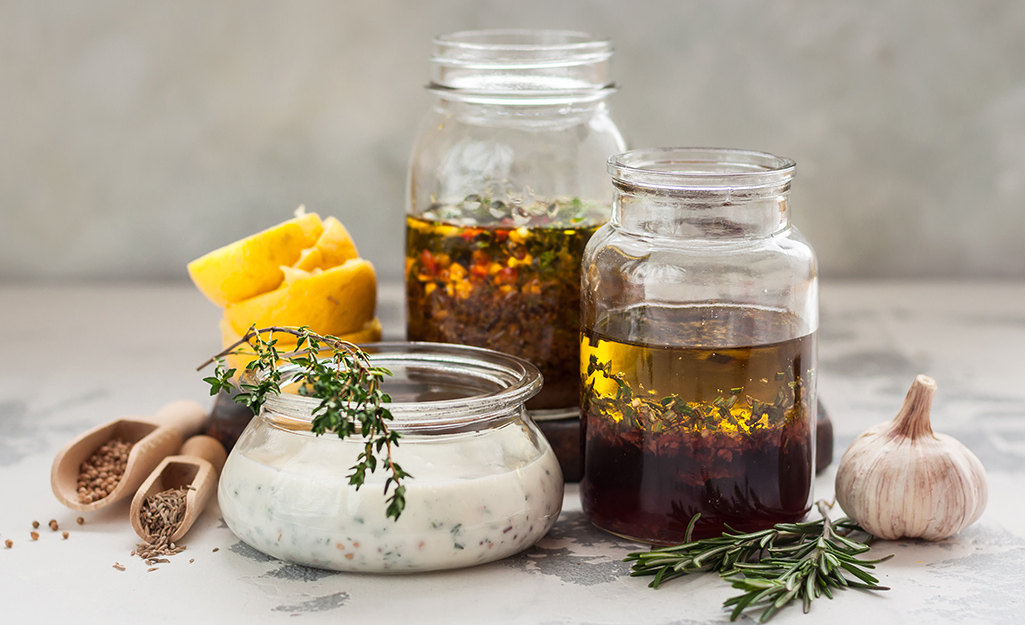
(699, 313)
(506, 186)
(485, 483)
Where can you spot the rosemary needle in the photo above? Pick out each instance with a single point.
(772, 567)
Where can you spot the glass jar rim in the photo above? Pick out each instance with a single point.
(515, 379)
(521, 67)
(701, 169)
(519, 48)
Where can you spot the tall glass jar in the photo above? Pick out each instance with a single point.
(506, 186)
(699, 313)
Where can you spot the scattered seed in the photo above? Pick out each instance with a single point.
(215, 549)
(80, 521)
(119, 566)
(191, 560)
(35, 525)
(53, 525)
(8, 543)
(64, 535)
(34, 535)
(151, 569)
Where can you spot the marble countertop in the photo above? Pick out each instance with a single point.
(77, 356)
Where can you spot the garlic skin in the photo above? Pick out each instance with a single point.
(900, 480)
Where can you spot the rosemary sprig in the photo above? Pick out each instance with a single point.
(345, 381)
(773, 566)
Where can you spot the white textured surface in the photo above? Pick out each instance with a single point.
(78, 356)
(138, 136)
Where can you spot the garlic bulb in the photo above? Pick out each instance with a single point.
(899, 479)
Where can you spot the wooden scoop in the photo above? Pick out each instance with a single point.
(154, 438)
(196, 466)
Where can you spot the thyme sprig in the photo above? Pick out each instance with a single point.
(347, 384)
(773, 566)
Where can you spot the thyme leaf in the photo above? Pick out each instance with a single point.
(347, 384)
(772, 567)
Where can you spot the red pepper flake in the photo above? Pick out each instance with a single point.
(429, 263)
(508, 275)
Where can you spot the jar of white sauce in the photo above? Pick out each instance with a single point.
(485, 483)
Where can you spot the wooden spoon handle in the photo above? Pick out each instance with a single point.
(206, 447)
(187, 417)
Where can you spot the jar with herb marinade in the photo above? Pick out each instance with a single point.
(506, 186)
(699, 314)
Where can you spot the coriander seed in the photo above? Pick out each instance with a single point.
(35, 525)
(34, 535)
(64, 535)
(8, 543)
(53, 525)
(80, 521)
(100, 473)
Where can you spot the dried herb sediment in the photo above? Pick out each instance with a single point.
(773, 566)
(341, 376)
(487, 273)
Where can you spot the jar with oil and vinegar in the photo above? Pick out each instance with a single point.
(506, 186)
(699, 310)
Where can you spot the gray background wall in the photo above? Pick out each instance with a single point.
(136, 136)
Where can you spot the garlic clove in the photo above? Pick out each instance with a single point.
(899, 479)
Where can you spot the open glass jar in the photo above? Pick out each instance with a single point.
(505, 189)
(485, 483)
(699, 313)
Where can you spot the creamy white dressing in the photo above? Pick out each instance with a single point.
(473, 498)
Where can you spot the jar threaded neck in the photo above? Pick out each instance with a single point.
(521, 65)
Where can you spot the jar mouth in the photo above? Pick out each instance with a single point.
(434, 387)
(542, 66)
(519, 48)
(700, 169)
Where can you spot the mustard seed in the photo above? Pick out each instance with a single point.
(80, 521)
(35, 525)
(53, 525)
